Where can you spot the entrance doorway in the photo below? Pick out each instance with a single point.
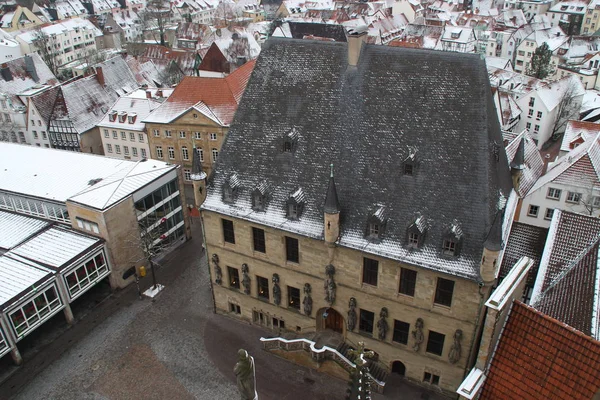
(333, 320)
(398, 368)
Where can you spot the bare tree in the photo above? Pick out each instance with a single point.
(91, 57)
(591, 200)
(47, 47)
(155, 19)
(153, 240)
(568, 108)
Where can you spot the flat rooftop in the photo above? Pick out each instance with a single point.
(58, 175)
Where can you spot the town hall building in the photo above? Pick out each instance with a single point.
(364, 190)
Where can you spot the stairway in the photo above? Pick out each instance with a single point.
(377, 371)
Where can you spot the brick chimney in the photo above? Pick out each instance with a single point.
(100, 76)
(356, 38)
(148, 94)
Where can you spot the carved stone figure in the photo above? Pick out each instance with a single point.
(417, 334)
(330, 286)
(276, 290)
(245, 278)
(246, 376)
(455, 349)
(307, 299)
(382, 325)
(352, 314)
(218, 272)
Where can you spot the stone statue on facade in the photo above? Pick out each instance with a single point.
(351, 314)
(217, 268)
(245, 278)
(455, 349)
(417, 334)
(307, 299)
(276, 290)
(330, 286)
(246, 376)
(382, 325)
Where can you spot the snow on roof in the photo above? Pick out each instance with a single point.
(499, 62)
(19, 275)
(60, 27)
(534, 164)
(585, 131)
(15, 228)
(137, 105)
(552, 93)
(26, 75)
(50, 174)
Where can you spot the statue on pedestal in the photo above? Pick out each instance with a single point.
(246, 376)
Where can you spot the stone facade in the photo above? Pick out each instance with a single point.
(199, 131)
(314, 255)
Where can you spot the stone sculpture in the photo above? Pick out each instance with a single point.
(382, 325)
(218, 272)
(456, 348)
(245, 278)
(246, 376)
(351, 314)
(417, 334)
(307, 299)
(276, 290)
(330, 286)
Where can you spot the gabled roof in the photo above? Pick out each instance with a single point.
(27, 72)
(540, 358)
(534, 164)
(569, 235)
(573, 297)
(374, 114)
(15, 228)
(524, 241)
(216, 98)
(579, 131)
(140, 107)
(118, 78)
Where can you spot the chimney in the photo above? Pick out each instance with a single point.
(100, 76)
(5, 72)
(148, 94)
(356, 39)
(159, 93)
(30, 68)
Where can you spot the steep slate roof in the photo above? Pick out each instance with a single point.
(534, 164)
(299, 30)
(538, 357)
(27, 71)
(569, 235)
(367, 120)
(573, 297)
(216, 98)
(118, 77)
(524, 241)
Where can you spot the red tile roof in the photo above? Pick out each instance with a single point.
(538, 357)
(217, 98)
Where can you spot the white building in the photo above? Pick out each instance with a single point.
(70, 39)
(530, 8)
(553, 37)
(9, 47)
(122, 130)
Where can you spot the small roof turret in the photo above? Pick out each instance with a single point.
(332, 205)
(197, 172)
(518, 161)
(493, 242)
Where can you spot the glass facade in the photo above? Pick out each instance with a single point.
(34, 207)
(86, 275)
(31, 314)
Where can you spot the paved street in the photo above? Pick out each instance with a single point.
(173, 348)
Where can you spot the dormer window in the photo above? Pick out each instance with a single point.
(122, 116)
(230, 189)
(415, 233)
(295, 204)
(452, 239)
(112, 116)
(259, 196)
(408, 168)
(409, 163)
(376, 223)
(290, 141)
(131, 118)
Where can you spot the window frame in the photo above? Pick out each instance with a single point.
(440, 292)
(549, 211)
(233, 277)
(292, 250)
(435, 339)
(370, 273)
(408, 282)
(262, 283)
(228, 231)
(293, 300)
(400, 333)
(557, 193)
(363, 322)
(573, 197)
(530, 213)
(259, 242)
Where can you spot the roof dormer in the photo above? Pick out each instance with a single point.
(376, 223)
(131, 117)
(260, 196)
(290, 141)
(122, 116)
(231, 189)
(295, 204)
(452, 240)
(415, 233)
(112, 116)
(409, 164)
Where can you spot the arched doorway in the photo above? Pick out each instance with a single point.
(331, 319)
(398, 368)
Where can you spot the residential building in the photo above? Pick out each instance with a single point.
(576, 134)
(591, 23)
(18, 18)
(531, 8)
(228, 53)
(553, 37)
(122, 129)
(569, 15)
(197, 115)
(296, 243)
(570, 184)
(9, 47)
(132, 206)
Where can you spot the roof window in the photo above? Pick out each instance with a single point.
(376, 223)
(259, 196)
(295, 204)
(452, 240)
(112, 116)
(231, 189)
(415, 233)
(290, 141)
(410, 162)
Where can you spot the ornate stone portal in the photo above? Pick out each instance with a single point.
(329, 285)
(417, 334)
(276, 290)
(352, 314)
(246, 376)
(307, 299)
(382, 325)
(245, 278)
(456, 348)
(217, 268)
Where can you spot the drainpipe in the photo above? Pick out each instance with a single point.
(212, 291)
